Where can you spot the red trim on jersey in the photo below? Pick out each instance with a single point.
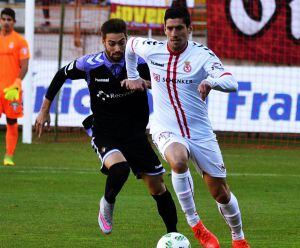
(132, 44)
(168, 79)
(177, 52)
(177, 98)
(226, 73)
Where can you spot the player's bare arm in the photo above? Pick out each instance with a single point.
(43, 118)
(24, 68)
(67, 72)
(204, 89)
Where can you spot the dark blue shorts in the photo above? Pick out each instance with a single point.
(138, 153)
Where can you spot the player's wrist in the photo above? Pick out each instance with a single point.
(17, 83)
(46, 106)
(134, 78)
(210, 82)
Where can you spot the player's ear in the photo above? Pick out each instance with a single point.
(190, 29)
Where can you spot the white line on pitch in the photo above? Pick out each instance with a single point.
(93, 171)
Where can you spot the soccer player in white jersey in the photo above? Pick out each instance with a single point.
(182, 74)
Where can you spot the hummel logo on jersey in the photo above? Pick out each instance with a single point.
(158, 166)
(157, 64)
(150, 42)
(217, 66)
(105, 80)
(222, 167)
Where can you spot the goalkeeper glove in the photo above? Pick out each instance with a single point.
(12, 93)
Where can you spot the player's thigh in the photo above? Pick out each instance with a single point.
(175, 145)
(13, 109)
(154, 183)
(142, 158)
(207, 158)
(108, 153)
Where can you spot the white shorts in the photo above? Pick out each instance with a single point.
(205, 155)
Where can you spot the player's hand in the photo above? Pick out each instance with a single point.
(204, 89)
(136, 85)
(11, 93)
(42, 120)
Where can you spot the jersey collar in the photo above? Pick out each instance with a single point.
(109, 63)
(177, 52)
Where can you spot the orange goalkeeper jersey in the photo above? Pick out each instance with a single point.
(13, 48)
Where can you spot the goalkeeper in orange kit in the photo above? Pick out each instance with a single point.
(14, 57)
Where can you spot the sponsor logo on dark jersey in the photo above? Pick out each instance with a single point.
(104, 96)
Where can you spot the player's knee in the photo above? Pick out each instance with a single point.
(120, 169)
(156, 185)
(158, 190)
(179, 167)
(10, 121)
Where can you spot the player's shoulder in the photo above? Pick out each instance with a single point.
(90, 61)
(198, 48)
(141, 61)
(148, 42)
(18, 37)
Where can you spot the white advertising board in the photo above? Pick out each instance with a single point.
(268, 99)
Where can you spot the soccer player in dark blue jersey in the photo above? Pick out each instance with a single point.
(119, 121)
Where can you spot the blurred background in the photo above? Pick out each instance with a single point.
(259, 41)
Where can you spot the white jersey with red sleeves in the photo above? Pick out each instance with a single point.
(175, 77)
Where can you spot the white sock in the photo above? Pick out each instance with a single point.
(184, 188)
(232, 216)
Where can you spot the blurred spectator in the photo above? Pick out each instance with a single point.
(46, 12)
(179, 3)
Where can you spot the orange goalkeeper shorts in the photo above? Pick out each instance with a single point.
(12, 109)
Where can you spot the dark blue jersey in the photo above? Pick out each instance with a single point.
(117, 112)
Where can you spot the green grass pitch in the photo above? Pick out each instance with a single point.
(50, 199)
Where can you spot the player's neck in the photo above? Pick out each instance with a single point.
(110, 59)
(177, 50)
(5, 32)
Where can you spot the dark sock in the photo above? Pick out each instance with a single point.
(117, 176)
(167, 210)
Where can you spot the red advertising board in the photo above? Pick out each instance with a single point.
(258, 30)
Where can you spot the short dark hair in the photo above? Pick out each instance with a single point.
(10, 12)
(179, 3)
(115, 26)
(180, 12)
